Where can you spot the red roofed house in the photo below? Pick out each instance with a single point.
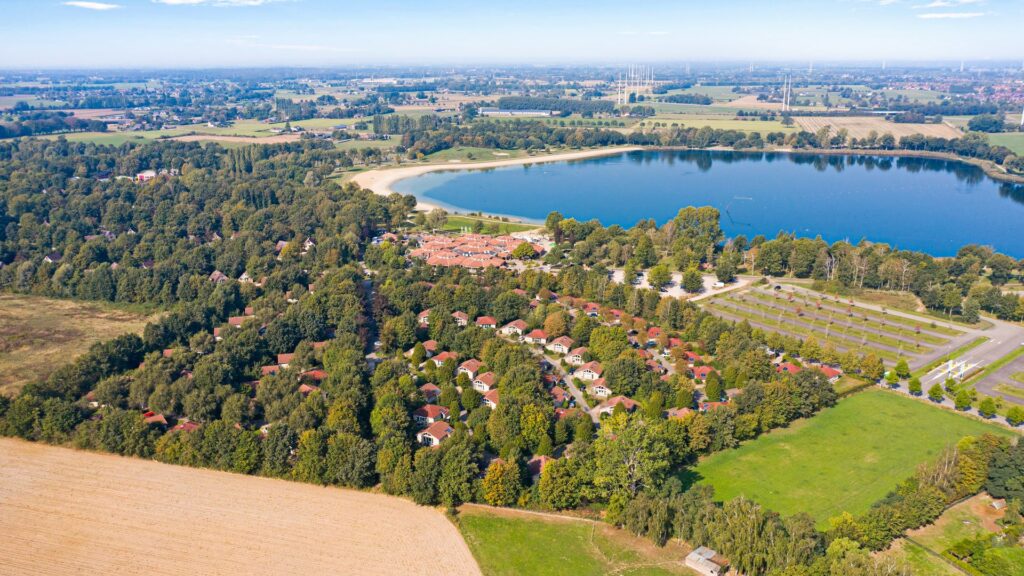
(653, 333)
(576, 356)
(461, 318)
(444, 356)
(561, 345)
(315, 375)
(185, 427)
(434, 434)
(487, 322)
(607, 407)
(557, 396)
(469, 368)
(423, 318)
(485, 382)
(589, 371)
(516, 327)
(430, 392)
(154, 418)
(431, 347)
(307, 389)
(491, 399)
(430, 413)
(599, 388)
(537, 336)
(678, 413)
(833, 374)
(788, 368)
(702, 372)
(284, 359)
(268, 370)
(705, 406)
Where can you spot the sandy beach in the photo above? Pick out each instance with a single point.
(381, 179)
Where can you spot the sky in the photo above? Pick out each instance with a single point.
(260, 33)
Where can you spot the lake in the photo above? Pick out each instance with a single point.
(935, 206)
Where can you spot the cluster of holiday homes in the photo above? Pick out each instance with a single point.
(472, 251)
(435, 420)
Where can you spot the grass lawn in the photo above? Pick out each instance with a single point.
(843, 459)
(507, 543)
(473, 154)
(38, 335)
(456, 223)
(1012, 140)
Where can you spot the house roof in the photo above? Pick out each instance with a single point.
(593, 366)
(627, 403)
(285, 358)
(487, 378)
(486, 321)
(492, 397)
(438, 430)
(578, 351)
(520, 324)
(564, 341)
(473, 365)
(432, 411)
(537, 333)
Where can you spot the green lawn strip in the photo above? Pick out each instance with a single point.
(1010, 390)
(843, 459)
(951, 356)
(876, 320)
(993, 367)
(923, 563)
(851, 332)
(457, 222)
(834, 336)
(505, 545)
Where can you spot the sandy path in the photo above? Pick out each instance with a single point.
(381, 179)
(65, 511)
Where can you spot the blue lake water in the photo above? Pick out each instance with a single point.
(935, 206)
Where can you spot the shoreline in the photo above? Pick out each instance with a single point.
(380, 180)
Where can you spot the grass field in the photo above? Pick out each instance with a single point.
(506, 543)
(1012, 140)
(38, 335)
(456, 223)
(473, 154)
(65, 512)
(843, 459)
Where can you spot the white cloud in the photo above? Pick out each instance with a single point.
(215, 2)
(948, 3)
(93, 5)
(950, 15)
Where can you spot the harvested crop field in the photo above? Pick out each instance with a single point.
(65, 511)
(38, 335)
(861, 126)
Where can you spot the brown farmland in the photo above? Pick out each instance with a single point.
(66, 511)
(861, 126)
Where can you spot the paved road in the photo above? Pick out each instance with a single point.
(577, 394)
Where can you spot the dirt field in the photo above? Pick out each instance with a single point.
(278, 139)
(861, 126)
(65, 511)
(38, 335)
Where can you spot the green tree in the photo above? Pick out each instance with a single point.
(987, 408)
(915, 386)
(936, 393)
(501, 484)
(693, 282)
(962, 399)
(659, 276)
(523, 251)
